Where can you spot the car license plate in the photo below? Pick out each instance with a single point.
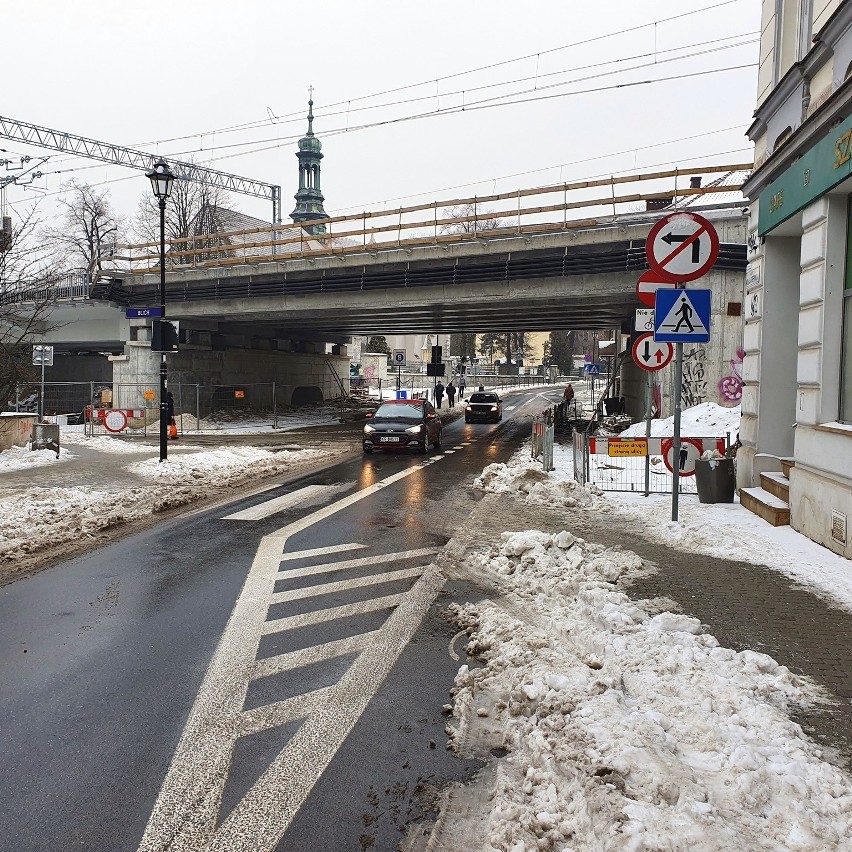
(389, 439)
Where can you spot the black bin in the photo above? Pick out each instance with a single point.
(716, 480)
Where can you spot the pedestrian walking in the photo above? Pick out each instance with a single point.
(462, 386)
(439, 394)
(451, 394)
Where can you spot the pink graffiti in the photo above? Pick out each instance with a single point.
(731, 387)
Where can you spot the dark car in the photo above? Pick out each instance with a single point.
(483, 406)
(403, 424)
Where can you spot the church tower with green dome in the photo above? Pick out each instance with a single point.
(309, 198)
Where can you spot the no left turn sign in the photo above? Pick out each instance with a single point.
(682, 246)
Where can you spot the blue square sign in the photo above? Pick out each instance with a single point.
(682, 316)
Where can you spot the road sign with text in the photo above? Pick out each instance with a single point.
(682, 246)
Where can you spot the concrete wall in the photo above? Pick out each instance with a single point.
(289, 370)
(15, 429)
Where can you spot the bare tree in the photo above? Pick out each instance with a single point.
(465, 211)
(28, 271)
(90, 229)
(190, 212)
(510, 343)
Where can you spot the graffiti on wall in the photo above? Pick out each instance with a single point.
(731, 386)
(693, 385)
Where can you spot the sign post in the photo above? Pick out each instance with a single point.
(42, 355)
(398, 358)
(681, 247)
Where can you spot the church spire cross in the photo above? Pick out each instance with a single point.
(310, 110)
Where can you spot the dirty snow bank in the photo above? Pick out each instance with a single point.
(707, 420)
(632, 731)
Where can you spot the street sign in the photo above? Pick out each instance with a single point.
(650, 355)
(42, 355)
(592, 369)
(690, 450)
(682, 246)
(398, 357)
(682, 316)
(142, 313)
(644, 319)
(648, 284)
(622, 448)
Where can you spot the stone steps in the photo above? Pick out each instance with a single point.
(776, 484)
(772, 509)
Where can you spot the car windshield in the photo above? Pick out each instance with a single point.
(400, 411)
(484, 397)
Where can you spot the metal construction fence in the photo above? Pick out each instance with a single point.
(619, 464)
(104, 409)
(542, 438)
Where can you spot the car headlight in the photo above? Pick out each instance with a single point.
(468, 408)
(369, 428)
(493, 407)
(415, 429)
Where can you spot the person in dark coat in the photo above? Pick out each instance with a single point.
(439, 394)
(462, 386)
(451, 394)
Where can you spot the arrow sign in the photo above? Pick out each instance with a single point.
(648, 284)
(682, 246)
(651, 355)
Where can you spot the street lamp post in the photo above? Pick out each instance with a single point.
(161, 178)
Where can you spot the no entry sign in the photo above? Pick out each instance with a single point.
(648, 284)
(682, 246)
(650, 355)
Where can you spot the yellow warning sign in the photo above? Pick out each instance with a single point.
(633, 447)
(149, 395)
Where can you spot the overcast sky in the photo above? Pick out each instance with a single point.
(172, 77)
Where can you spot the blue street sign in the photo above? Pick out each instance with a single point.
(592, 369)
(143, 313)
(682, 316)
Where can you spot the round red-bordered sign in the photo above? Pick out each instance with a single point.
(648, 284)
(115, 420)
(650, 355)
(690, 446)
(682, 246)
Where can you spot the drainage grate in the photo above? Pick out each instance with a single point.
(838, 526)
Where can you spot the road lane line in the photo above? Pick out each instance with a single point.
(280, 712)
(260, 820)
(279, 504)
(185, 814)
(329, 567)
(307, 619)
(345, 585)
(314, 654)
(321, 551)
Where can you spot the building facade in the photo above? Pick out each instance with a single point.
(797, 369)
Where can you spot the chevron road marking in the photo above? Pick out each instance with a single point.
(306, 495)
(185, 817)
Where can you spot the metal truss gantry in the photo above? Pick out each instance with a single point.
(58, 140)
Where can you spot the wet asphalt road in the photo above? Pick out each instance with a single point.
(320, 713)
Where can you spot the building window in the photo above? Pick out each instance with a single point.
(846, 346)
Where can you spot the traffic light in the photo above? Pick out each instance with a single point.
(436, 354)
(435, 369)
(164, 335)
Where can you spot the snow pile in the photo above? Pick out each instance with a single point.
(23, 458)
(630, 731)
(527, 477)
(707, 420)
(224, 466)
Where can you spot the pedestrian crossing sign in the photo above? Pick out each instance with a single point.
(682, 316)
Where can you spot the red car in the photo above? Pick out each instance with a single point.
(403, 424)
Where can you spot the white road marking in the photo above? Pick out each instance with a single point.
(184, 817)
(315, 654)
(318, 616)
(321, 551)
(345, 585)
(449, 452)
(324, 567)
(459, 447)
(305, 495)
